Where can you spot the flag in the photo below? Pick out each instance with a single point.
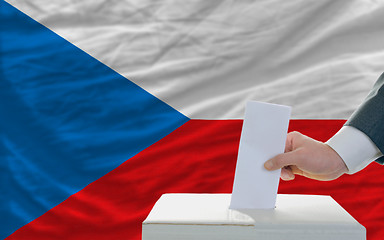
(106, 105)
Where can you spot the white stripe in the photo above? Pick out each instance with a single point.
(207, 58)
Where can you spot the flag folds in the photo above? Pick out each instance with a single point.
(66, 119)
(104, 106)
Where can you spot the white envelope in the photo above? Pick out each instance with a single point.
(263, 136)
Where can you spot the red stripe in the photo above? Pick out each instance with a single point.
(199, 157)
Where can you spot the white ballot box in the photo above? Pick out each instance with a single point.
(208, 217)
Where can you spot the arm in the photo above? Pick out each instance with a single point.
(353, 148)
(369, 117)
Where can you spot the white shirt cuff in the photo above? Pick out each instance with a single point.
(354, 147)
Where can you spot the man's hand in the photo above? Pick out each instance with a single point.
(307, 157)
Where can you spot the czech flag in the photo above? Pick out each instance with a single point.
(106, 105)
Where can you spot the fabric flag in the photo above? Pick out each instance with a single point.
(106, 105)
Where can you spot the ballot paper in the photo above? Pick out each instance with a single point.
(263, 137)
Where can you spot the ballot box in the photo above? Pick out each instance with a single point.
(208, 217)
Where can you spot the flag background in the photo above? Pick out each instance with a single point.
(203, 60)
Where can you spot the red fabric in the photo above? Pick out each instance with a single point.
(199, 157)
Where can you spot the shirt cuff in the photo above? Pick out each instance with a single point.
(355, 148)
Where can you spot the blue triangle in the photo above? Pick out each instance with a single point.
(65, 119)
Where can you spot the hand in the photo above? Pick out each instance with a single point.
(307, 157)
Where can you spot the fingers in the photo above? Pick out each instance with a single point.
(296, 170)
(283, 160)
(287, 174)
(289, 143)
(292, 138)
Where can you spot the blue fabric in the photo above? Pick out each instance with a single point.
(65, 119)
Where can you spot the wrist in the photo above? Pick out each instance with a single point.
(340, 167)
(354, 147)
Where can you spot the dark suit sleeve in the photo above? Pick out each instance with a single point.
(369, 117)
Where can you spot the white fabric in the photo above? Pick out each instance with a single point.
(207, 58)
(355, 148)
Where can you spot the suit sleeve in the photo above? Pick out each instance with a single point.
(369, 116)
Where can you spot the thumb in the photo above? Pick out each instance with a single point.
(282, 160)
